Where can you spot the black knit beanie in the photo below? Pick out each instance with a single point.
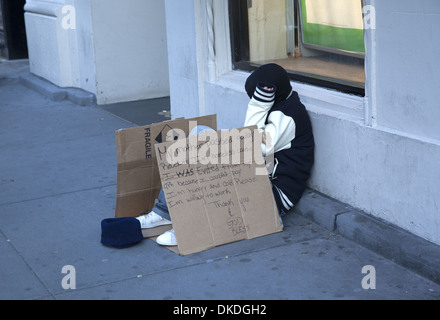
(273, 74)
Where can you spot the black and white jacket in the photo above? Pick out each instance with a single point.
(288, 125)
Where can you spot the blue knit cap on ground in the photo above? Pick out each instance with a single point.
(121, 233)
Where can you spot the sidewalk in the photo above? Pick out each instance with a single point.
(58, 181)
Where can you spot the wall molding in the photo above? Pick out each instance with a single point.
(44, 8)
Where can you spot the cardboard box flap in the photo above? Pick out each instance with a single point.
(138, 179)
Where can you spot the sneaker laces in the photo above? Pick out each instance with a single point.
(148, 215)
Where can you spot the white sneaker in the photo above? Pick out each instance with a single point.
(167, 239)
(152, 220)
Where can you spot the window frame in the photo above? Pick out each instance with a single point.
(239, 33)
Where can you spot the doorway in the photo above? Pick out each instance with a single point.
(13, 41)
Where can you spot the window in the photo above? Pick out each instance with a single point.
(319, 42)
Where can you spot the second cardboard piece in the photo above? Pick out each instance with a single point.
(138, 180)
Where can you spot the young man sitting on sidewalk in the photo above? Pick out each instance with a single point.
(275, 108)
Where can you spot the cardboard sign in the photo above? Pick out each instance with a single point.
(213, 192)
(138, 180)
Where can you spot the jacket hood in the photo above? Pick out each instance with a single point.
(273, 74)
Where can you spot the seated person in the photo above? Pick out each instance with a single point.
(275, 108)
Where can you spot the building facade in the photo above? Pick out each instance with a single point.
(114, 49)
(377, 144)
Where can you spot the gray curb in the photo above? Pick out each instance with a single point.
(55, 93)
(390, 241)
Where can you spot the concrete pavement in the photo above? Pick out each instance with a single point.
(58, 181)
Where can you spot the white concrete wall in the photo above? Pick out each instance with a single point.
(399, 164)
(380, 153)
(84, 44)
(130, 50)
(183, 58)
(53, 52)
(386, 174)
(117, 51)
(408, 48)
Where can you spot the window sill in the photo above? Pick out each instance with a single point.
(316, 99)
